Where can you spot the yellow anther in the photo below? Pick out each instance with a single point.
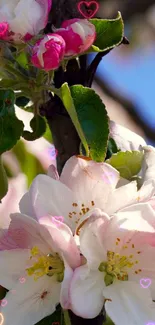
(34, 251)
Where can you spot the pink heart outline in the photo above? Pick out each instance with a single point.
(147, 282)
(88, 4)
(57, 219)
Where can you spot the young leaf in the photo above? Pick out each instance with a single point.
(22, 101)
(128, 163)
(112, 148)
(38, 126)
(69, 105)
(93, 119)
(10, 127)
(109, 32)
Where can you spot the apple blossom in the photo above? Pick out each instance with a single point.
(79, 35)
(124, 138)
(37, 264)
(118, 255)
(23, 19)
(48, 52)
(83, 186)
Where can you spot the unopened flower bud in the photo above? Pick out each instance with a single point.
(79, 35)
(48, 52)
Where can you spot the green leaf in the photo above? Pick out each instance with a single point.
(3, 180)
(108, 321)
(93, 119)
(38, 126)
(109, 32)
(10, 127)
(22, 101)
(48, 135)
(69, 105)
(56, 318)
(112, 148)
(22, 59)
(128, 163)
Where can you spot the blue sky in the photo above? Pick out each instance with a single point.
(133, 76)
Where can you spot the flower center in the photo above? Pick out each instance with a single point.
(116, 267)
(49, 265)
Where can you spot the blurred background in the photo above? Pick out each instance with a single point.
(126, 76)
(125, 80)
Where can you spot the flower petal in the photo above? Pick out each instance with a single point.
(12, 266)
(49, 196)
(25, 206)
(122, 197)
(86, 292)
(89, 180)
(52, 172)
(32, 301)
(65, 286)
(124, 138)
(130, 304)
(62, 241)
(27, 233)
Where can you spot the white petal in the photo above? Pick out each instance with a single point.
(86, 292)
(51, 197)
(130, 304)
(90, 181)
(124, 138)
(147, 191)
(25, 206)
(65, 286)
(122, 197)
(12, 265)
(148, 170)
(26, 306)
(90, 244)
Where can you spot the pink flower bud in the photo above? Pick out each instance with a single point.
(4, 29)
(48, 52)
(79, 35)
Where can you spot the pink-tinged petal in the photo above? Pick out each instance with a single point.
(10, 203)
(32, 301)
(12, 266)
(125, 139)
(25, 206)
(86, 292)
(62, 241)
(52, 172)
(90, 181)
(122, 197)
(65, 287)
(130, 304)
(28, 233)
(51, 197)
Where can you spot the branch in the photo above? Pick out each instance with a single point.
(128, 105)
